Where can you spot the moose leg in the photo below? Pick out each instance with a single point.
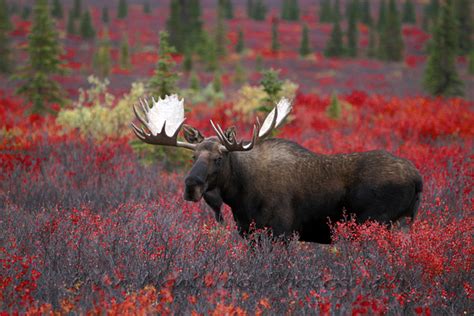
(214, 200)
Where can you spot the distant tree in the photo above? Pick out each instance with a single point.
(71, 24)
(188, 61)
(146, 7)
(290, 10)
(440, 76)
(77, 9)
(194, 83)
(228, 8)
(335, 46)
(430, 14)
(285, 8)
(239, 47)
(57, 9)
(336, 11)
(391, 40)
(217, 82)
(365, 14)
(102, 59)
(409, 14)
(86, 27)
(305, 49)
(5, 49)
(43, 62)
(122, 10)
(105, 15)
(163, 82)
(220, 33)
(352, 32)
(272, 85)
(382, 15)
(325, 12)
(334, 108)
(471, 63)
(249, 8)
(372, 46)
(25, 12)
(275, 40)
(184, 25)
(124, 53)
(257, 9)
(239, 75)
(463, 11)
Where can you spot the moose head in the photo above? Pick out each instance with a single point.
(165, 119)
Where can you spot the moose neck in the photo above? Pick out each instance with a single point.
(231, 180)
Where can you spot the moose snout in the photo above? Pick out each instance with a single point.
(194, 188)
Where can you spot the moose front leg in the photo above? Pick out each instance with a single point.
(214, 200)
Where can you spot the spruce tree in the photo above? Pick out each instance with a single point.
(164, 79)
(124, 53)
(365, 14)
(409, 14)
(305, 50)
(184, 25)
(272, 85)
(352, 32)
(188, 61)
(194, 83)
(217, 82)
(105, 15)
(86, 27)
(25, 13)
(71, 24)
(43, 63)
(228, 8)
(146, 7)
(122, 10)
(285, 10)
(430, 17)
(334, 46)
(293, 10)
(391, 41)
(325, 12)
(239, 47)
(275, 40)
(5, 50)
(249, 8)
(259, 10)
(57, 9)
(77, 9)
(102, 59)
(382, 20)
(334, 108)
(465, 25)
(372, 46)
(440, 76)
(220, 33)
(336, 11)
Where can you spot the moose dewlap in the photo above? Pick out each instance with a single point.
(279, 184)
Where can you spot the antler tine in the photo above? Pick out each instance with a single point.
(233, 144)
(268, 130)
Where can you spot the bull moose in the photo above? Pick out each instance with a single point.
(279, 184)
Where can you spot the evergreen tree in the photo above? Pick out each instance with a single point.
(365, 15)
(372, 46)
(440, 76)
(25, 13)
(77, 9)
(275, 40)
(57, 9)
(43, 63)
(352, 32)
(325, 12)
(188, 61)
(334, 108)
(105, 15)
(122, 10)
(217, 82)
(285, 10)
(249, 8)
(431, 12)
(409, 14)
(240, 76)
(102, 59)
(124, 53)
(335, 47)
(184, 25)
(220, 34)
(305, 50)
(259, 10)
(227, 8)
(146, 7)
(272, 85)
(71, 24)
(382, 15)
(194, 83)
(290, 10)
(336, 12)
(471, 63)
(465, 25)
(164, 79)
(5, 50)
(391, 41)
(86, 28)
(239, 47)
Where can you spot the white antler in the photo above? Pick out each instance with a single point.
(275, 117)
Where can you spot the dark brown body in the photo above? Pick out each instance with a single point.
(283, 186)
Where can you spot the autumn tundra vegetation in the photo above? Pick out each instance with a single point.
(94, 220)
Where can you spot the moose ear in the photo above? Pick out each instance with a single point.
(230, 133)
(192, 135)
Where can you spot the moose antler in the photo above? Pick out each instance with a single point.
(165, 117)
(272, 121)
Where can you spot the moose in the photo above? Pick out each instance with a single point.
(278, 184)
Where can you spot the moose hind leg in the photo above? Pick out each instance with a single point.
(214, 200)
